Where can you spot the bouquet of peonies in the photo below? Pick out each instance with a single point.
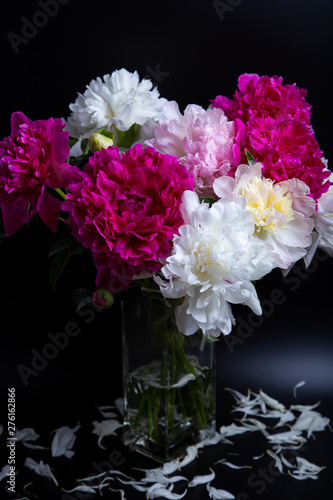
(202, 202)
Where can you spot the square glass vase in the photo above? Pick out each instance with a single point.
(168, 380)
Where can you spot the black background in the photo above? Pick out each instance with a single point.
(193, 51)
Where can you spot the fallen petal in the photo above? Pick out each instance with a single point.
(191, 454)
(232, 430)
(231, 465)
(160, 492)
(82, 487)
(63, 441)
(219, 494)
(40, 468)
(4, 471)
(300, 384)
(202, 479)
(271, 402)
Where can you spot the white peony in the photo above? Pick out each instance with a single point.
(119, 99)
(212, 265)
(281, 212)
(323, 218)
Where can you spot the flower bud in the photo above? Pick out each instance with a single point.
(103, 298)
(99, 140)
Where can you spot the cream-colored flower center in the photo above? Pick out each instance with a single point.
(270, 204)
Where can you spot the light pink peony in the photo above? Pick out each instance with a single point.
(126, 210)
(33, 158)
(264, 96)
(202, 140)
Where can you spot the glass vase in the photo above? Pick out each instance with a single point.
(168, 380)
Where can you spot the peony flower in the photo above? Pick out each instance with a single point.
(202, 140)
(126, 209)
(281, 212)
(119, 99)
(272, 122)
(32, 159)
(287, 148)
(212, 265)
(323, 219)
(264, 97)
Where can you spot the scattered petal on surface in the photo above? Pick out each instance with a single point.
(27, 435)
(233, 430)
(271, 402)
(311, 421)
(233, 466)
(105, 428)
(219, 494)
(305, 469)
(40, 468)
(202, 479)
(63, 441)
(300, 384)
(191, 454)
(288, 437)
(104, 411)
(4, 471)
(82, 487)
(278, 462)
(157, 491)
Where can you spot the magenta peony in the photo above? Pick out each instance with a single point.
(33, 158)
(126, 210)
(287, 148)
(264, 96)
(272, 123)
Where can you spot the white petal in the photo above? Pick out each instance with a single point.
(104, 411)
(232, 430)
(40, 468)
(4, 471)
(233, 466)
(122, 493)
(288, 437)
(63, 441)
(157, 491)
(278, 461)
(219, 494)
(271, 402)
(191, 454)
(82, 487)
(300, 384)
(202, 479)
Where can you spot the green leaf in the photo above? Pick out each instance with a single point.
(62, 251)
(60, 245)
(209, 338)
(57, 266)
(250, 159)
(84, 146)
(72, 142)
(126, 139)
(210, 201)
(106, 133)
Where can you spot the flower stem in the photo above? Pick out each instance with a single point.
(62, 194)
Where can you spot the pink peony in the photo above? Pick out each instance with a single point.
(202, 140)
(287, 148)
(126, 210)
(31, 159)
(264, 96)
